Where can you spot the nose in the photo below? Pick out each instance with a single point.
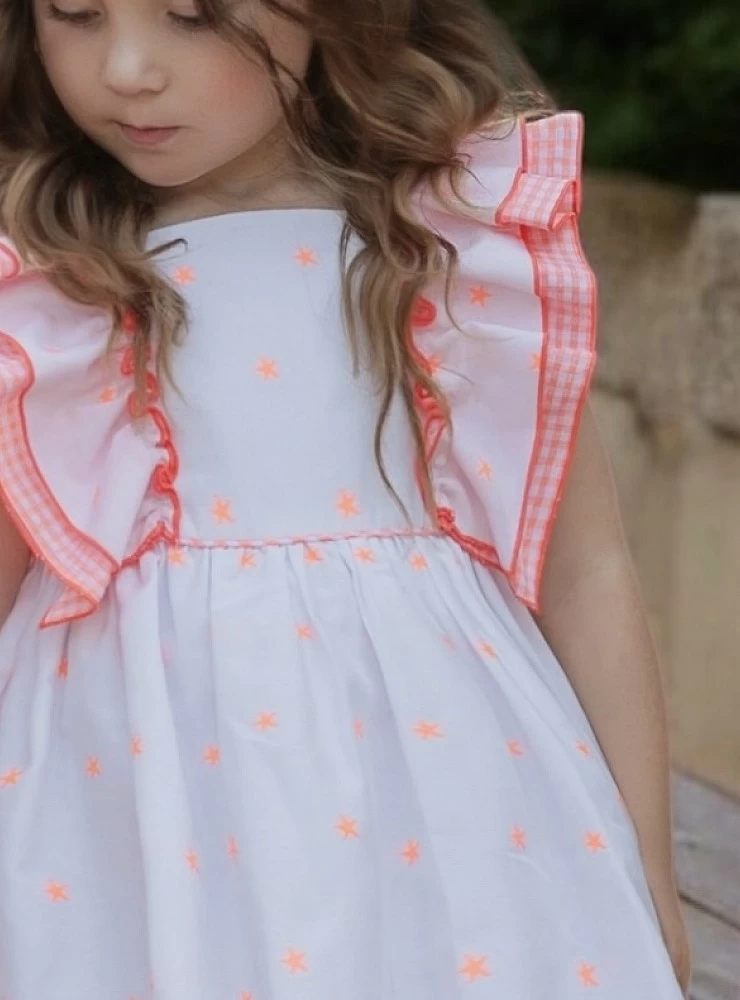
(131, 67)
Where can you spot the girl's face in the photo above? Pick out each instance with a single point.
(120, 67)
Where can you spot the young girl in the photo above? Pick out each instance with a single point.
(296, 338)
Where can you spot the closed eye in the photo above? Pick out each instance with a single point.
(81, 17)
(86, 17)
(190, 23)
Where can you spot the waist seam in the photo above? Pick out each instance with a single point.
(308, 539)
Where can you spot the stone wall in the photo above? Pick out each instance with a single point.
(668, 399)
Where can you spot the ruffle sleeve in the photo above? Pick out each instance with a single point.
(517, 371)
(88, 486)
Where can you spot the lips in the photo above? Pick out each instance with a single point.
(148, 135)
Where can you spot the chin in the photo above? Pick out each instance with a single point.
(163, 174)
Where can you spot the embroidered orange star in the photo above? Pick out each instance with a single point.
(485, 469)
(347, 504)
(10, 778)
(295, 961)
(108, 394)
(519, 838)
(63, 668)
(137, 747)
(584, 748)
(248, 560)
(410, 852)
(212, 755)
(365, 555)
(57, 891)
(184, 275)
(587, 974)
(266, 720)
(304, 632)
(267, 369)
(515, 748)
(418, 561)
(595, 842)
(221, 511)
(93, 767)
(192, 860)
(312, 555)
(306, 257)
(359, 728)
(176, 557)
(487, 649)
(479, 295)
(535, 361)
(474, 967)
(428, 730)
(232, 848)
(347, 827)
(448, 641)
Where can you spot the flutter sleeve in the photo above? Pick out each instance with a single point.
(88, 486)
(517, 371)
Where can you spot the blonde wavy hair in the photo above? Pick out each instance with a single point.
(391, 88)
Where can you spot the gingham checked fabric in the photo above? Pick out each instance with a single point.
(268, 736)
(524, 290)
(83, 567)
(567, 289)
(75, 560)
(542, 202)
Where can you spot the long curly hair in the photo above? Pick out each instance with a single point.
(392, 87)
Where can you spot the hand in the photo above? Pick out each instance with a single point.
(672, 924)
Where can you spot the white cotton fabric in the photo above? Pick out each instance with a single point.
(305, 753)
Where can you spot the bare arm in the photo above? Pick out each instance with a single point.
(593, 618)
(14, 556)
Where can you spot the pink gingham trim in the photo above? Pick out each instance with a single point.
(543, 202)
(83, 567)
(566, 287)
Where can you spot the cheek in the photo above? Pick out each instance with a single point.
(69, 66)
(240, 81)
(72, 82)
(242, 93)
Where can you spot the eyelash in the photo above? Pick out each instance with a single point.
(84, 19)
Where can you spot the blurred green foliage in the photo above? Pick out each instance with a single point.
(658, 80)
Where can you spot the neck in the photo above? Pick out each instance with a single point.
(262, 177)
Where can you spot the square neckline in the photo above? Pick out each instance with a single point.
(206, 221)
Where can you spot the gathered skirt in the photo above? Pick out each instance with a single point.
(235, 783)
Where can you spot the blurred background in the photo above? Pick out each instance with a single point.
(659, 85)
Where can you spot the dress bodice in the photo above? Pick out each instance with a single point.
(273, 425)
(268, 434)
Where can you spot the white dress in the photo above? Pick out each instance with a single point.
(262, 736)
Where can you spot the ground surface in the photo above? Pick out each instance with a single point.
(707, 824)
